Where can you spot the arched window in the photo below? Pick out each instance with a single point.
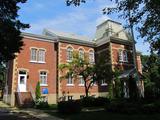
(91, 56)
(69, 54)
(81, 54)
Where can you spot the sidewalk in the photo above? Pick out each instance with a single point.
(34, 112)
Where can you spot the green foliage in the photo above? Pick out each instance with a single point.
(69, 107)
(151, 75)
(127, 106)
(10, 39)
(90, 72)
(38, 91)
(41, 104)
(118, 89)
(142, 13)
(94, 102)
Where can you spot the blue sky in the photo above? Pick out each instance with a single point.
(82, 20)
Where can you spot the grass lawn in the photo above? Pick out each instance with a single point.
(103, 115)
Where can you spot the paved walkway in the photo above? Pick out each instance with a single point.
(4, 108)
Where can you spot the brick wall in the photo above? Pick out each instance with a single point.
(33, 69)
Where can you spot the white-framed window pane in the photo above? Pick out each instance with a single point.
(125, 58)
(33, 54)
(81, 80)
(69, 54)
(43, 77)
(120, 55)
(81, 54)
(91, 56)
(70, 80)
(103, 82)
(41, 55)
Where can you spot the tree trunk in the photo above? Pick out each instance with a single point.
(86, 89)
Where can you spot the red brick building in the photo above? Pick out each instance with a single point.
(41, 55)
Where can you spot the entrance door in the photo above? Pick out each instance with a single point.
(22, 81)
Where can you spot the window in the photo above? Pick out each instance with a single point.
(120, 55)
(123, 56)
(33, 54)
(43, 78)
(70, 80)
(41, 55)
(37, 55)
(81, 54)
(103, 82)
(70, 97)
(81, 81)
(91, 57)
(69, 54)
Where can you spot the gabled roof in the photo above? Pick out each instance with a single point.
(68, 37)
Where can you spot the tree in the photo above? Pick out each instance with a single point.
(142, 13)
(38, 91)
(151, 73)
(90, 73)
(10, 26)
(2, 77)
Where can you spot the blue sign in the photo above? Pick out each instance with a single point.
(44, 90)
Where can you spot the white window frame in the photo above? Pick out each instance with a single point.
(103, 82)
(91, 57)
(45, 78)
(81, 54)
(41, 55)
(81, 80)
(120, 55)
(125, 57)
(70, 81)
(69, 54)
(33, 55)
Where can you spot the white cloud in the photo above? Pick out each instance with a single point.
(81, 20)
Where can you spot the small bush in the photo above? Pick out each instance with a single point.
(40, 103)
(69, 107)
(94, 102)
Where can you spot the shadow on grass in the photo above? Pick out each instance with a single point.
(101, 115)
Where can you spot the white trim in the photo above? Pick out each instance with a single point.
(43, 84)
(104, 84)
(81, 85)
(70, 85)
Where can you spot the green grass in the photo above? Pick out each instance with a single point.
(103, 115)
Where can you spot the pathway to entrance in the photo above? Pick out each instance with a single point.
(9, 113)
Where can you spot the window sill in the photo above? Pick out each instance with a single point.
(43, 84)
(38, 62)
(70, 85)
(41, 62)
(69, 61)
(33, 61)
(105, 84)
(81, 85)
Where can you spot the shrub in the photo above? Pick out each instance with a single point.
(94, 102)
(132, 107)
(41, 103)
(38, 91)
(69, 107)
